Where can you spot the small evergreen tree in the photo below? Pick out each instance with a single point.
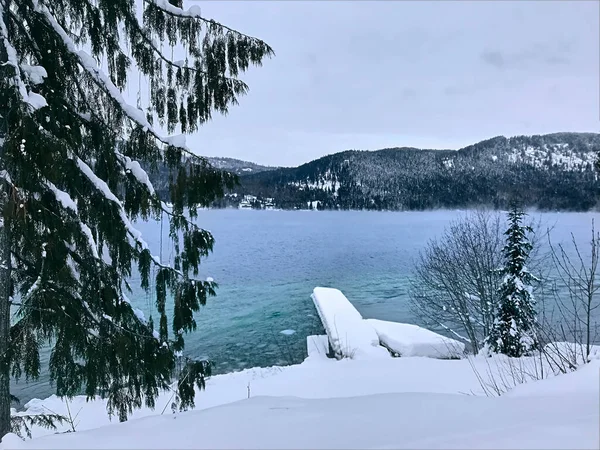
(72, 152)
(513, 332)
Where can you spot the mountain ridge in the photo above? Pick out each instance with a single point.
(552, 171)
(237, 166)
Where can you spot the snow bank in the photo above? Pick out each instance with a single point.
(400, 420)
(349, 335)
(317, 346)
(317, 377)
(571, 351)
(585, 381)
(412, 340)
(439, 385)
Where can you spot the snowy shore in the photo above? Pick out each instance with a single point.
(323, 403)
(366, 399)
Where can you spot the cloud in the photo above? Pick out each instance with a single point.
(408, 93)
(376, 74)
(537, 54)
(557, 60)
(493, 58)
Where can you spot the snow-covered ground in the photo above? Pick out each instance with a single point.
(411, 402)
(366, 400)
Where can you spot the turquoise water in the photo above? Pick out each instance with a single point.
(268, 262)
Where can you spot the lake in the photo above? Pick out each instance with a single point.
(268, 262)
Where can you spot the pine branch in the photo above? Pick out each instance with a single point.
(105, 190)
(140, 32)
(26, 97)
(194, 13)
(23, 422)
(136, 169)
(19, 24)
(79, 185)
(67, 203)
(106, 85)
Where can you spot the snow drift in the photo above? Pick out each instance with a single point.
(554, 419)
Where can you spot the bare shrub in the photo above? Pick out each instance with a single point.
(456, 280)
(578, 276)
(568, 327)
(502, 373)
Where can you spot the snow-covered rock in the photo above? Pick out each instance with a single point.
(412, 340)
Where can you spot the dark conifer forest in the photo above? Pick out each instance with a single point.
(549, 172)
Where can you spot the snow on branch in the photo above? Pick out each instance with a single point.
(193, 12)
(36, 74)
(101, 186)
(35, 101)
(5, 176)
(109, 195)
(453, 332)
(36, 284)
(136, 170)
(68, 203)
(90, 237)
(62, 197)
(103, 81)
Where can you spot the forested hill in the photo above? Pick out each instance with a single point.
(237, 166)
(554, 171)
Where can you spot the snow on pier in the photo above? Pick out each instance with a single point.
(351, 336)
(406, 339)
(317, 346)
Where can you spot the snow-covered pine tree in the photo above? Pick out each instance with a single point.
(513, 332)
(71, 156)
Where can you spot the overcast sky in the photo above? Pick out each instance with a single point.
(375, 74)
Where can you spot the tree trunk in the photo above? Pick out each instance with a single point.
(5, 269)
(5, 256)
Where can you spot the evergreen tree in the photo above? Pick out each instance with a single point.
(71, 156)
(513, 331)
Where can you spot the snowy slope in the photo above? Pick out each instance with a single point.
(320, 378)
(558, 418)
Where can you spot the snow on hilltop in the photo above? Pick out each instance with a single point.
(237, 166)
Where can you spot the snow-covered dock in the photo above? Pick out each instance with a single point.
(351, 336)
(405, 339)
